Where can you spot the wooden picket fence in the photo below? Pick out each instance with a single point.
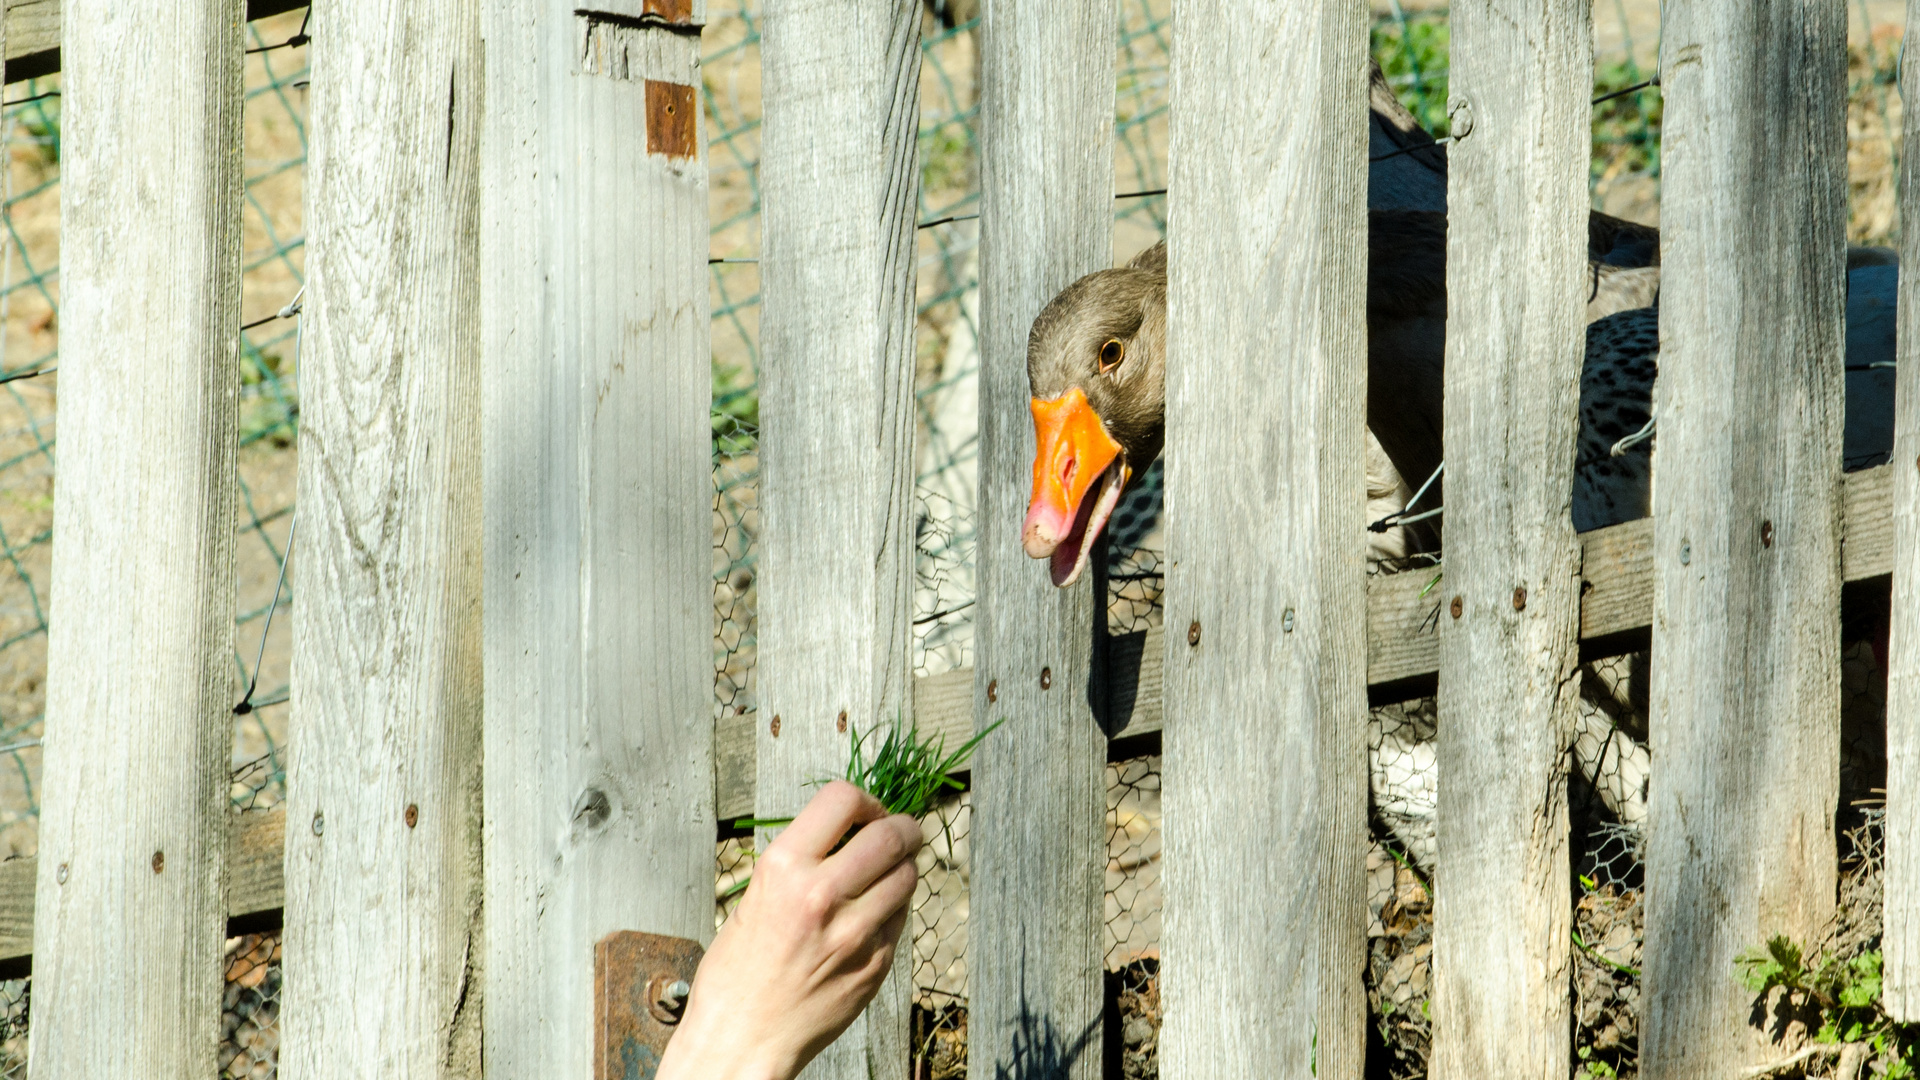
(503, 744)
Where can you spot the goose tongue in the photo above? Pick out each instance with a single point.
(1069, 560)
(1074, 451)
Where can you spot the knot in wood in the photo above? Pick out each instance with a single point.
(592, 810)
(1193, 634)
(1520, 598)
(1457, 607)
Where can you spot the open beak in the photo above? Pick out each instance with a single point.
(1075, 452)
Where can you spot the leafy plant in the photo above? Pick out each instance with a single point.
(1412, 51)
(1844, 994)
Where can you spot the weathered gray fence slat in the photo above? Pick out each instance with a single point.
(384, 783)
(131, 899)
(595, 387)
(1265, 676)
(1516, 335)
(1900, 938)
(1746, 629)
(839, 189)
(1039, 801)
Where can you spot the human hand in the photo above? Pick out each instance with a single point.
(807, 948)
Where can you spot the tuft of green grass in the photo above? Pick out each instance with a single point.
(906, 772)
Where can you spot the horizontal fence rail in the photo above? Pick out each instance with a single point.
(1402, 612)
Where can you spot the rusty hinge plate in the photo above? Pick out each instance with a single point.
(635, 1004)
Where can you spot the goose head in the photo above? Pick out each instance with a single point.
(1096, 365)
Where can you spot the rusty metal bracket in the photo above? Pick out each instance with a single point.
(640, 987)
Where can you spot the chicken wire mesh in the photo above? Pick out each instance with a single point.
(250, 1009)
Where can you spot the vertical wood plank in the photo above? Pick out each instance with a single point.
(130, 904)
(595, 396)
(1516, 336)
(1746, 659)
(1900, 938)
(839, 190)
(1266, 391)
(384, 783)
(1039, 799)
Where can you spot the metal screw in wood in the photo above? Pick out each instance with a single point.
(1766, 534)
(841, 724)
(774, 728)
(1193, 634)
(1046, 678)
(159, 861)
(1457, 607)
(413, 815)
(1520, 598)
(993, 690)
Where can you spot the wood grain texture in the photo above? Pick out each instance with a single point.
(32, 26)
(1900, 913)
(132, 874)
(839, 184)
(255, 846)
(1516, 336)
(1747, 571)
(1265, 751)
(32, 33)
(386, 638)
(1039, 800)
(596, 390)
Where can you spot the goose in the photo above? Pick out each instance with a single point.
(1096, 367)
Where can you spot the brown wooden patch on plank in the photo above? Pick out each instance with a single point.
(670, 119)
(678, 12)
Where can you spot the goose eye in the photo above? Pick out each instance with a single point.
(1111, 354)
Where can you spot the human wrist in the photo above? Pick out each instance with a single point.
(704, 1051)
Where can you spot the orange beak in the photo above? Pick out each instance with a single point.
(1074, 451)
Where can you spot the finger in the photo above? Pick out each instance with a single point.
(886, 898)
(875, 850)
(838, 807)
